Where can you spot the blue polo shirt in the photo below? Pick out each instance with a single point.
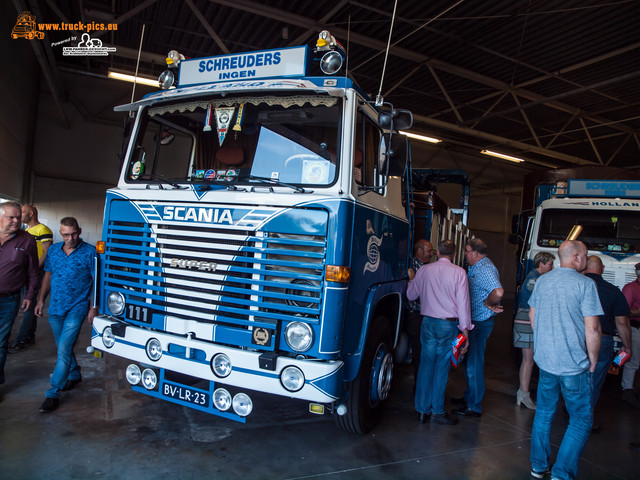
(483, 279)
(71, 278)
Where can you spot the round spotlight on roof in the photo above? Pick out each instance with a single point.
(166, 79)
(331, 62)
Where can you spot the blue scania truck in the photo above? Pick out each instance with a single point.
(259, 236)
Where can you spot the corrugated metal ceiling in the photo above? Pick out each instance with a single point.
(555, 82)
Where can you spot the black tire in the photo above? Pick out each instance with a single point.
(368, 391)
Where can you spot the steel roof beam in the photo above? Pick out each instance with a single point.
(491, 138)
(207, 27)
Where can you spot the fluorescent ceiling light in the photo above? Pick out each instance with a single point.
(421, 137)
(152, 82)
(503, 156)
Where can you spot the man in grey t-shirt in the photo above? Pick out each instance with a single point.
(566, 341)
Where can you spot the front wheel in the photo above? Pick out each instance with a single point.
(368, 391)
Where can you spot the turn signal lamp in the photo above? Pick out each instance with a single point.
(101, 247)
(338, 273)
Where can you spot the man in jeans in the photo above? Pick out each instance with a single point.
(485, 293)
(18, 268)
(44, 238)
(69, 270)
(444, 304)
(564, 314)
(615, 318)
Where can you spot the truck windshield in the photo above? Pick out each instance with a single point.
(602, 230)
(286, 139)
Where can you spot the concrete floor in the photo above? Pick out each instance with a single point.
(103, 430)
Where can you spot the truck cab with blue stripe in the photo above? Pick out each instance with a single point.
(258, 238)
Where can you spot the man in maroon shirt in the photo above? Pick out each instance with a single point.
(631, 292)
(18, 267)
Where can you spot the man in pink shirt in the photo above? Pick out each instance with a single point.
(631, 292)
(443, 290)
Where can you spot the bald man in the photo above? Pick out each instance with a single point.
(564, 313)
(616, 311)
(44, 238)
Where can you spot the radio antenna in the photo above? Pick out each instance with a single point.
(346, 71)
(133, 90)
(379, 99)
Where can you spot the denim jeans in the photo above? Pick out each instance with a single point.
(66, 329)
(436, 337)
(473, 366)
(8, 310)
(413, 329)
(602, 367)
(576, 391)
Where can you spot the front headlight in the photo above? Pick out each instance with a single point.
(134, 375)
(154, 349)
(242, 404)
(221, 365)
(108, 338)
(149, 379)
(222, 399)
(299, 336)
(292, 378)
(115, 303)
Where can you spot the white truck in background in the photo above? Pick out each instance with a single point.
(598, 206)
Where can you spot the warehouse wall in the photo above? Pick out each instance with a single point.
(74, 166)
(18, 96)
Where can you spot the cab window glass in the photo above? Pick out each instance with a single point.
(367, 152)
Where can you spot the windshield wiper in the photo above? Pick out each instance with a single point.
(272, 181)
(206, 185)
(160, 180)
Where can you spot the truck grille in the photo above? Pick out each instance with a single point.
(232, 277)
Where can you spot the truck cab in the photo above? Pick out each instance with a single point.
(258, 237)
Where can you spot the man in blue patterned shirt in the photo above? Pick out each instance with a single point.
(485, 292)
(69, 270)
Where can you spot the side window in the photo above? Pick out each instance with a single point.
(367, 153)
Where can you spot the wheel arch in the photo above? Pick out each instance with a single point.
(383, 300)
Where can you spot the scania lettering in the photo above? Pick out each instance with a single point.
(258, 238)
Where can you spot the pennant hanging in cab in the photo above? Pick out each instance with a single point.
(223, 119)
